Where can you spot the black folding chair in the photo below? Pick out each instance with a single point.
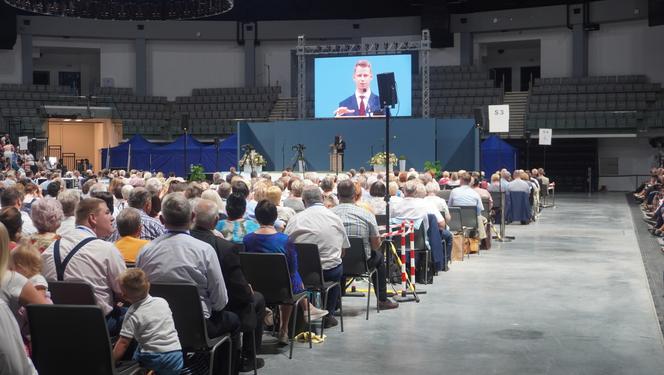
(71, 292)
(311, 271)
(185, 303)
(57, 330)
(268, 274)
(455, 220)
(445, 194)
(355, 265)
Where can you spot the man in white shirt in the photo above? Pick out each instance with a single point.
(412, 208)
(464, 195)
(13, 197)
(177, 257)
(68, 199)
(81, 255)
(318, 225)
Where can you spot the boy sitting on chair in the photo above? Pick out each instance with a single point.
(149, 320)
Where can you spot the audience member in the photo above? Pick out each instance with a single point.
(68, 200)
(242, 300)
(81, 255)
(129, 228)
(359, 223)
(149, 321)
(141, 199)
(46, 216)
(12, 220)
(11, 196)
(177, 257)
(268, 240)
(294, 201)
(235, 227)
(14, 288)
(318, 225)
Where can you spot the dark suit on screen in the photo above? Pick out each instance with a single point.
(372, 105)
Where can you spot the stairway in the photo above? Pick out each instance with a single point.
(518, 102)
(284, 109)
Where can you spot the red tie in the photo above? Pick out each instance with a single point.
(363, 110)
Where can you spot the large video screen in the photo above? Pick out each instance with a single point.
(348, 87)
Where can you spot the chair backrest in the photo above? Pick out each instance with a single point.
(58, 330)
(445, 194)
(71, 293)
(355, 258)
(268, 274)
(469, 216)
(455, 219)
(309, 265)
(185, 303)
(497, 198)
(420, 243)
(381, 220)
(485, 211)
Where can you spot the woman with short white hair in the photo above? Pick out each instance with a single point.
(46, 216)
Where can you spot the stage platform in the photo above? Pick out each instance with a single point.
(453, 142)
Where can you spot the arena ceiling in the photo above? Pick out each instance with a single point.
(256, 10)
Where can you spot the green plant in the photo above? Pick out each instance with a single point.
(197, 173)
(434, 168)
(402, 157)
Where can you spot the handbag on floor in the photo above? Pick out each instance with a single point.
(457, 247)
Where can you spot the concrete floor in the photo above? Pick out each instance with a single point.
(568, 296)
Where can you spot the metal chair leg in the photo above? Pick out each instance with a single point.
(323, 296)
(369, 296)
(253, 342)
(341, 311)
(292, 333)
(376, 289)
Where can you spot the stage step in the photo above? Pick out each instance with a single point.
(284, 109)
(518, 102)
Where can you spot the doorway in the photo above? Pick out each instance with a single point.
(502, 77)
(528, 75)
(71, 80)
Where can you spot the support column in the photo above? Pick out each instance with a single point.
(26, 59)
(466, 48)
(579, 51)
(141, 67)
(249, 54)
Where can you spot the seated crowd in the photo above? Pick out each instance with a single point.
(126, 229)
(651, 196)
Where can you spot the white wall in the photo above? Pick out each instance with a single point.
(278, 56)
(84, 61)
(555, 47)
(514, 57)
(10, 64)
(174, 68)
(446, 56)
(627, 48)
(117, 57)
(635, 156)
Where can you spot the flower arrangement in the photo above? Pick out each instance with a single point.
(252, 158)
(379, 159)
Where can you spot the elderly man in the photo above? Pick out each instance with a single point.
(81, 255)
(68, 199)
(358, 222)
(242, 300)
(518, 183)
(177, 257)
(129, 229)
(413, 208)
(464, 195)
(12, 197)
(141, 199)
(318, 225)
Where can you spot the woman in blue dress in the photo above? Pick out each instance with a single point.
(266, 239)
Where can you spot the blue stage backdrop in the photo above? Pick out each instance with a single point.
(452, 141)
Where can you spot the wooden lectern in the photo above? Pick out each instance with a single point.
(336, 160)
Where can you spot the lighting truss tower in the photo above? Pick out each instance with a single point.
(301, 78)
(425, 49)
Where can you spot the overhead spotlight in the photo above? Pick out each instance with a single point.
(126, 10)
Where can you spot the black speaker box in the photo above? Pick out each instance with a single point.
(436, 18)
(387, 90)
(7, 26)
(655, 12)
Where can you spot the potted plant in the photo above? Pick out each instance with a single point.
(434, 168)
(251, 161)
(197, 173)
(378, 161)
(402, 163)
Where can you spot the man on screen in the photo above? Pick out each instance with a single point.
(363, 102)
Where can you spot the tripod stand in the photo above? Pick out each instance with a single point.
(298, 159)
